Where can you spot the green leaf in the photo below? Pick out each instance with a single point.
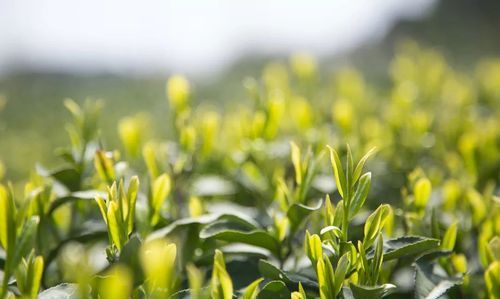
(297, 165)
(361, 163)
(234, 232)
(422, 192)
(102, 207)
(25, 240)
(377, 260)
(449, 237)
(297, 295)
(326, 278)
(252, 290)
(349, 175)
(323, 280)
(292, 280)
(492, 280)
(340, 178)
(372, 292)
(406, 246)
(75, 196)
(331, 230)
(494, 248)
(268, 270)
(298, 213)
(69, 177)
(374, 224)
(313, 247)
(35, 273)
(133, 189)
(149, 155)
(431, 284)
(195, 280)
(115, 225)
(221, 285)
(7, 219)
(301, 293)
(329, 211)
(203, 219)
(339, 214)
(358, 200)
(158, 260)
(160, 190)
(104, 166)
(340, 273)
(274, 290)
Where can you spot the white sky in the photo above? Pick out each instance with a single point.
(186, 35)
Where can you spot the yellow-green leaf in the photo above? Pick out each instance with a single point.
(297, 165)
(338, 171)
(422, 192)
(252, 289)
(221, 286)
(492, 279)
(449, 237)
(114, 225)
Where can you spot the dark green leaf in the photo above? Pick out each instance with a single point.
(406, 246)
(297, 213)
(79, 195)
(429, 283)
(274, 290)
(372, 292)
(268, 270)
(231, 231)
(69, 177)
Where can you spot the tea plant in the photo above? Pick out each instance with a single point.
(254, 203)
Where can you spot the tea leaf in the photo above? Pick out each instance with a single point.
(340, 178)
(449, 237)
(361, 163)
(252, 290)
(360, 195)
(274, 290)
(221, 285)
(375, 292)
(340, 273)
(430, 284)
(298, 213)
(232, 232)
(492, 279)
(406, 246)
(422, 192)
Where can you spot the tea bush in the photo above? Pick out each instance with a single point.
(273, 198)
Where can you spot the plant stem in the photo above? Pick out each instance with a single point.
(345, 222)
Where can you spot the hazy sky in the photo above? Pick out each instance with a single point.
(185, 35)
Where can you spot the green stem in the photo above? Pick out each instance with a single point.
(345, 222)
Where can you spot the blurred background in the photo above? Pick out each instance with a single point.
(123, 51)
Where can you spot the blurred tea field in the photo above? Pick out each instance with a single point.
(32, 114)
